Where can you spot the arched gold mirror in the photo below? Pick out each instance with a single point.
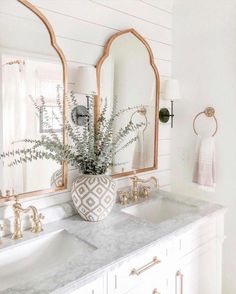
(126, 72)
(33, 69)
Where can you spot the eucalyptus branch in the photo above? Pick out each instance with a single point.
(91, 148)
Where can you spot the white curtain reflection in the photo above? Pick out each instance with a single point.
(23, 86)
(15, 111)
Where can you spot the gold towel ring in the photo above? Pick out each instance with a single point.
(143, 111)
(209, 112)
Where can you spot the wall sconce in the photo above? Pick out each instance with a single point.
(171, 92)
(85, 84)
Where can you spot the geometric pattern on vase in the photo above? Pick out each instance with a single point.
(57, 179)
(93, 196)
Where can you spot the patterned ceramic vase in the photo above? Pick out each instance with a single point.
(94, 196)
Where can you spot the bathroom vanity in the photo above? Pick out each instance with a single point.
(164, 244)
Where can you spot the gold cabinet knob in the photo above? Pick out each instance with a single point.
(155, 291)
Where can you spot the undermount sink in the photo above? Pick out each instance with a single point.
(35, 256)
(158, 210)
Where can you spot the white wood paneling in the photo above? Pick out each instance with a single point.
(139, 10)
(165, 5)
(164, 147)
(164, 162)
(92, 12)
(164, 131)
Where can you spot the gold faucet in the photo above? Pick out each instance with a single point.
(135, 180)
(36, 219)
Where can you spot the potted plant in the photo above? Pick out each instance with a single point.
(91, 150)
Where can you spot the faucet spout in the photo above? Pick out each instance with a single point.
(36, 218)
(155, 181)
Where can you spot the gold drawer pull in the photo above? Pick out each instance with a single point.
(142, 269)
(155, 292)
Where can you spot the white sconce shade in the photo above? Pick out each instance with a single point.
(171, 90)
(86, 80)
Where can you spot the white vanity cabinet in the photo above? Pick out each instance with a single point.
(187, 262)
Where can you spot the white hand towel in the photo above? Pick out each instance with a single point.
(138, 156)
(204, 174)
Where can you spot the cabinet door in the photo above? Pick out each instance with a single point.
(197, 273)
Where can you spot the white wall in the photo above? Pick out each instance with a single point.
(83, 26)
(204, 60)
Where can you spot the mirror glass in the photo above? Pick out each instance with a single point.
(127, 76)
(31, 81)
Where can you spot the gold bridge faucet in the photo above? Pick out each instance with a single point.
(135, 180)
(36, 219)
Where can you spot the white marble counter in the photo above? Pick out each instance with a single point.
(109, 241)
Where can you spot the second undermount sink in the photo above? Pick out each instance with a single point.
(35, 256)
(158, 210)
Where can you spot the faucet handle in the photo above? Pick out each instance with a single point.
(124, 196)
(8, 193)
(41, 216)
(1, 230)
(36, 223)
(145, 191)
(16, 198)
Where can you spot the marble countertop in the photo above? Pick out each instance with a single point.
(117, 237)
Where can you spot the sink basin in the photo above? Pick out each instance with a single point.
(35, 256)
(158, 210)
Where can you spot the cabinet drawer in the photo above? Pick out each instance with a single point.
(153, 287)
(197, 236)
(137, 270)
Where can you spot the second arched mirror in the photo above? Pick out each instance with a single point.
(128, 77)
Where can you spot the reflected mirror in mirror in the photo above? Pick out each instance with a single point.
(127, 73)
(31, 83)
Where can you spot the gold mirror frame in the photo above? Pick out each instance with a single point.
(54, 44)
(97, 102)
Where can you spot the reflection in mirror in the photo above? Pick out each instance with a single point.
(31, 81)
(127, 73)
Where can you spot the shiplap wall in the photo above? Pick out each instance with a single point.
(82, 28)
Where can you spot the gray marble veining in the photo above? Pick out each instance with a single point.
(117, 237)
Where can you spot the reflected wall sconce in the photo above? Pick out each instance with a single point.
(86, 80)
(85, 84)
(171, 92)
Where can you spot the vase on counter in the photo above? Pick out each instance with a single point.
(94, 196)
